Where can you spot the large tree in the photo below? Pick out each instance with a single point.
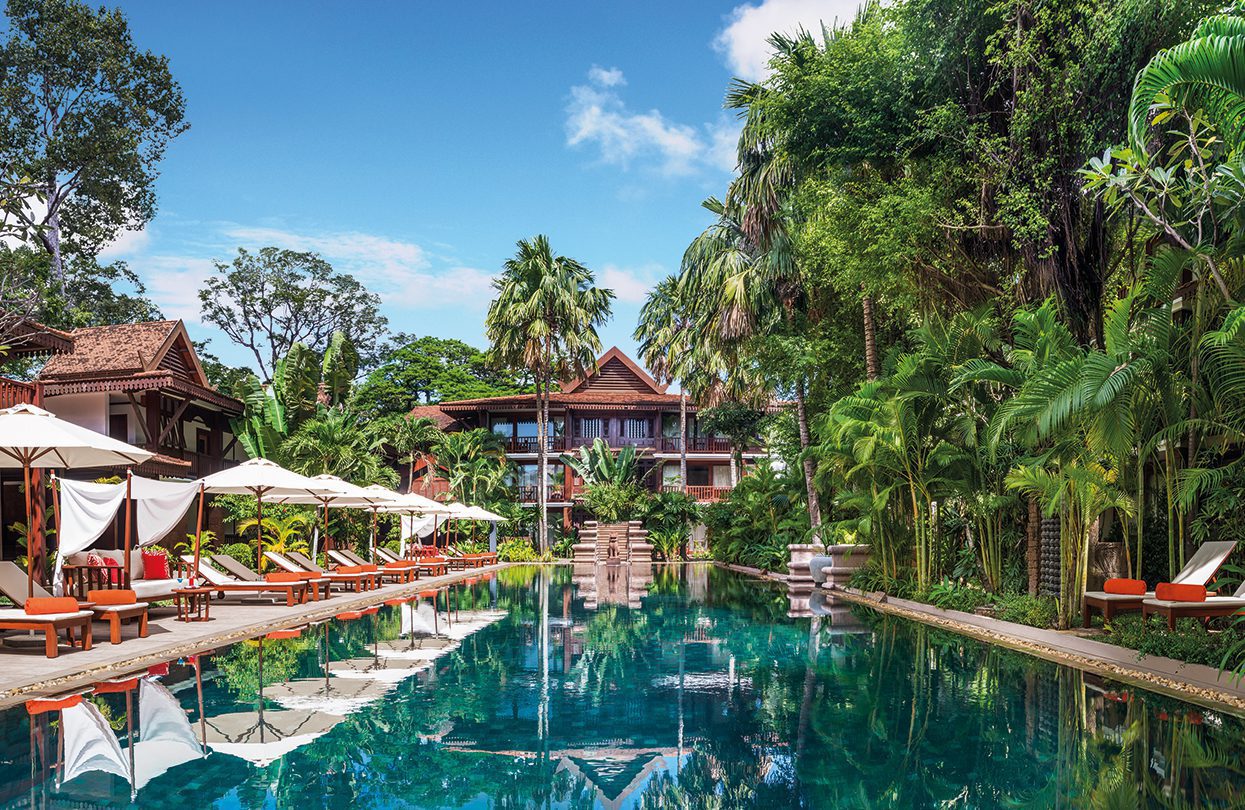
(428, 370)
(270, 300)
(85, 118)
(544, 320)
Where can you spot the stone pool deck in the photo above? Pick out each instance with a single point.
(26, 672)
(1191, 682)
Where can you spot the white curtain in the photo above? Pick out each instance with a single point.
(416, 527)
(165, 737)
(90, 744)
(87, 509)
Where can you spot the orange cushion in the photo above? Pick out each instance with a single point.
(349, 569)
(155, 565)
(395, 602)
(42, 705)
(1180, 593)
(38, 605)
(1129, 587)
(348, 615)
(112, 596)
(114, 687)
(367, 569)
(277, 635)
(283, 576)
(371, 611)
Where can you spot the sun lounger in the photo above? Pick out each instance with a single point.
(1199, 570)
(1213, 606)
(484, 557)
(50, 624)
(236, 569)
(222, 583)
(399, 572)
(369, 578)
(287, 562)
(433, 566)
(13, 584)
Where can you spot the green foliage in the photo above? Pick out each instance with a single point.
(950, 595)
(597, 464)
(611, 502)
(428, 370)
(269, 302)
(668, 542)
(670, 511)
(759, 519)
(1190, 641)
(517, 549)
(242, 552)
(1035, 611)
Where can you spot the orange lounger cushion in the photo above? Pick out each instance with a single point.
(39, 605)
(276, 635)
(1169, 592)
(349, 569)
(349, 614)
(115, 687)
(283, 576)
(1127, 587)
(43, 705)
(112, 596)
(395, 602)
(372, 611)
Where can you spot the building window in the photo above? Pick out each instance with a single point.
(203, 441)
(592, 428)
(635, 428)
(503, 427)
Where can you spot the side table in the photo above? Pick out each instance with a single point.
(192, 604)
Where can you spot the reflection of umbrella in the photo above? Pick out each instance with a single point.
(245, 735)
(90, 744)
(261, 478)
(340, 696)
(31, 438)
(368, 669)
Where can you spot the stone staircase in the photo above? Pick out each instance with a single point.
(613, 543)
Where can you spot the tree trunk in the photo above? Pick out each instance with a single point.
(734, 473)
(814, 503)
(542, 518)
(871, 340)
(683, 442)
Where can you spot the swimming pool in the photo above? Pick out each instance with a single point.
(683, 686)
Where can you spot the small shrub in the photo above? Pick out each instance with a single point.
(1190, 641)
(951, 595)
(668, 542)
(517, 549)
(611, 503)
(242, 552)
(563, 541)
(1035, 611)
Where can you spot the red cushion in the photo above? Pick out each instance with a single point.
(349, 569)
(39, 605)
(96, 561)
(281, 634)
(112, 596)
(283, 576)
(42, 705)
(155, 565)
(1169, 592)
(1128, 587)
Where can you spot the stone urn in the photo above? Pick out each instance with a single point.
(836, 566)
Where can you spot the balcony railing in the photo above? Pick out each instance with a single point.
(530, 444)
(13, 393)
(554, 494)
(696, 444)
(664, 444)
(703, 494)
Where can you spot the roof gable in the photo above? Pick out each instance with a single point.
(615, 372)
(128, 348)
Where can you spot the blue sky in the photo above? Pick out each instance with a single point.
(412, 144)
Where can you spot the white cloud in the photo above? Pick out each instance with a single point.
(598, 116)
(606, 77)
(744, 40)
(723, 149)
(127, 243)
(388, 263)
(631, 285)
(173, 282)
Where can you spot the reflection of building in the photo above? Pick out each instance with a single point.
(618, 402)
(612, 584)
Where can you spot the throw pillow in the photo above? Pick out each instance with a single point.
(155, 565)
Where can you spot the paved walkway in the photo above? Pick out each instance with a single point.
(1192, 682)
(25, 671)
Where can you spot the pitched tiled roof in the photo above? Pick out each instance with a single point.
(604, 399)
(442, 419)
(100, 351)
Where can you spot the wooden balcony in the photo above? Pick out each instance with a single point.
(435, 487)
(702, 494)
(697, 444)
(13, 393)
(555, 494)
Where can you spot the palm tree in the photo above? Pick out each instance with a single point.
(665, 331)
(413, 439)
(280, 534)
(336, 442)
(544, 319)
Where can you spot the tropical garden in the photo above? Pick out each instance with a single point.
(990, 257)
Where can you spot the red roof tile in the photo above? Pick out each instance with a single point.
(442, 419)
(124, 348)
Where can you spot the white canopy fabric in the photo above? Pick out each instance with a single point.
(31, 436)
(87, 510)
(480, 513)
(90, 744)
(165, 737)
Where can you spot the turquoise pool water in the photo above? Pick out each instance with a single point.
(683, 687)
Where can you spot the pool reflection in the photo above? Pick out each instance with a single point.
(679, 686)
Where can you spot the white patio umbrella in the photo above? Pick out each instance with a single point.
(337, 492)
(261, 478)
(32, 438)
(480, 513)
(413, 505)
